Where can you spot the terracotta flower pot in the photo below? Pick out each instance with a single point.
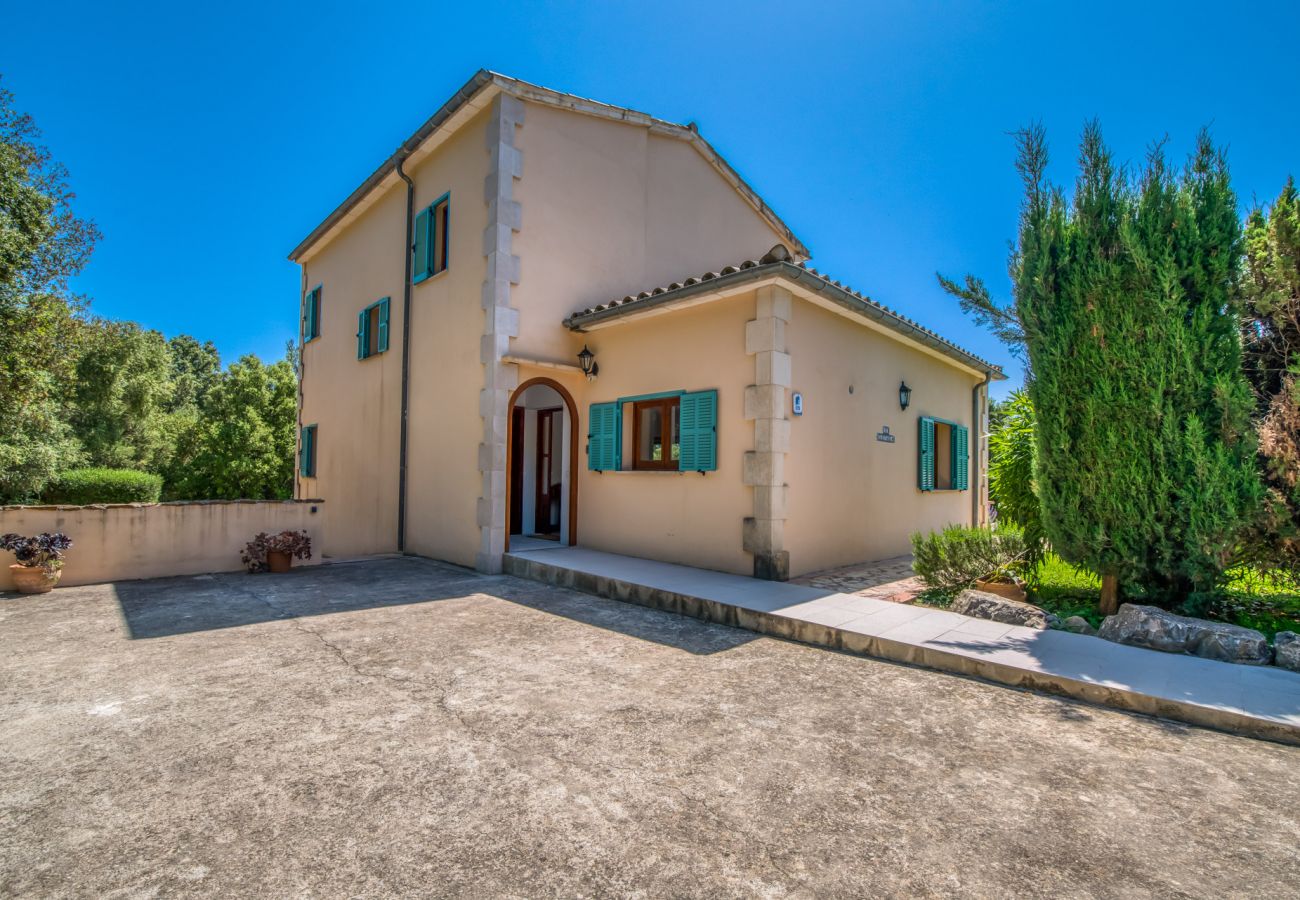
(34, 579)
(278, 561)
(1003, 589)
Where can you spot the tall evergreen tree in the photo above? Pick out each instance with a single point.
(1145, 455)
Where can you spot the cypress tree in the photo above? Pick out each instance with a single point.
(1145, 455)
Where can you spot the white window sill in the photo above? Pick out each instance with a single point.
(660, 472)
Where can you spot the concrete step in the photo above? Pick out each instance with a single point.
(1258, 701)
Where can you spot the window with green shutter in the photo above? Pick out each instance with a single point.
(671, 430)
(307, 452)
(604, 423)
(429, 253)
(372, 329)
(311, 315)
(943, 455)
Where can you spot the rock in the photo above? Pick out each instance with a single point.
(1054, 621)
(983, 605)
(1287, 646)
(1156, 629)
(1078, 625)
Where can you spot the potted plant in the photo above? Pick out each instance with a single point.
(40, 560)
(1003, 582)
(274, 552)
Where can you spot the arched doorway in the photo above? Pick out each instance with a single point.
(541, 459)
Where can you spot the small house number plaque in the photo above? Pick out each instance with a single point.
(884, 436)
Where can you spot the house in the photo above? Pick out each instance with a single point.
(548, 318)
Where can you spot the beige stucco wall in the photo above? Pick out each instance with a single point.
(606, 209)
(852, 498)
(611, 209)
(117, 543)
(446, 374)
(681, 517)
(356, 404)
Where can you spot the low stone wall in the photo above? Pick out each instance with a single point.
(150, 540)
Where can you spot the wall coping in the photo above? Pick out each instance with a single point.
(163, 503)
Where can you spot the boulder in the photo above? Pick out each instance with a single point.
(983, 605)
(1157, 629)
(1286, 644)
(1078, 625)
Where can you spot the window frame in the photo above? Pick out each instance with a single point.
(670, 411)
(382, 312)
(437, 237)
(955, 484)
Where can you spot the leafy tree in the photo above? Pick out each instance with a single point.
(42, 244)
(1011, 472)
(42, 241)
(195, 368)
(1270, 289)
(1126, 296)
(123, 390)
(242, 444)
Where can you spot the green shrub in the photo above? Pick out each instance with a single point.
(1011, 473)
(960, 554)
(80, 487)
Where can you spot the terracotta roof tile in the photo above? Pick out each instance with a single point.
(778, 260)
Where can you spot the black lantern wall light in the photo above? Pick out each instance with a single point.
(587, 360)
(904, 395)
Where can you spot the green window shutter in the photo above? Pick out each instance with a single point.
(311, 315)
(960, 458)
(698, 425)
(363, 342)
(307, 452)
(925, 456)
(603, 424)
(383, 325)
(420, 251)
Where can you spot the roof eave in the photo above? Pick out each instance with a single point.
(807, 281)
(480, 79)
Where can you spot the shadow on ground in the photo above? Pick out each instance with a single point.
(166, 607)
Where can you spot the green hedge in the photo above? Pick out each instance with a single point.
(79, 487)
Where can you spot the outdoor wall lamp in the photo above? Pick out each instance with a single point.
(904, 395)
(587, 360)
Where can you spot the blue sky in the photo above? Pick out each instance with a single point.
(207, 141)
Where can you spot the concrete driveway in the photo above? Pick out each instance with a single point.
(398, 727)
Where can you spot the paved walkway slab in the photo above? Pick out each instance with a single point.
(1260, 701)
